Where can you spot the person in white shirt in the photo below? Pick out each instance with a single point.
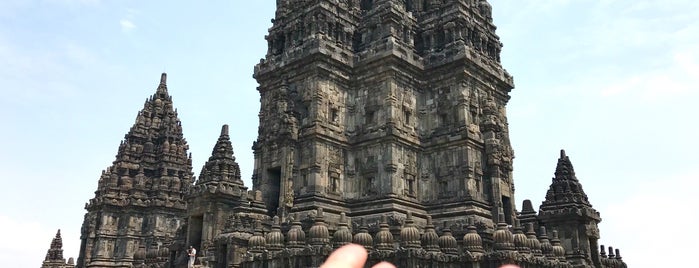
(192, 253)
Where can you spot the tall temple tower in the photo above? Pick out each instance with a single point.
(140, 200)
(386, 106)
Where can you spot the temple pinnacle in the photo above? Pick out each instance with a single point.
(224, 130)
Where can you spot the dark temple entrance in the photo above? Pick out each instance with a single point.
(274, 177)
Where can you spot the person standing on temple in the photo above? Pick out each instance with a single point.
(192, 253)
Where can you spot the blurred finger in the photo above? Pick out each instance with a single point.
(348, 256)
(384, 265)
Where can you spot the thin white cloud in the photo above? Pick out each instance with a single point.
(127, 22)
(127, 25)
(673, 80)
(643, 50)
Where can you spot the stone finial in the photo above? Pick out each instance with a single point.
(319, 235)
(546, 247)
(602, 251)
(520, 239)
(384, 237)
(430, 238)
(472, 240)
(527, 206)
(409, 234)
(618, 254)
(557, 248)
(504, 239)
(533, 242)
(611, 253)
(343, 235)
(161, 92)
(363, 237)
(527, 215)
(447, 242)
(296, 237)
(224, 130)
(257, 242)
(275, 238)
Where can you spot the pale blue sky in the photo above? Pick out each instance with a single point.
(612, 82)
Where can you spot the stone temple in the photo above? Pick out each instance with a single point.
(382, 123)
(54, 256)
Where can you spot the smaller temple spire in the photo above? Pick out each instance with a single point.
(565, 188)
(56, 250)
(221, 165)
(223, 147)
(54, 256)
(564, 169)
